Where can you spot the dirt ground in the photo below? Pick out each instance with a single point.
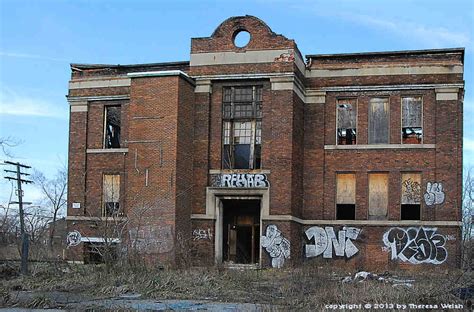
(310, 287)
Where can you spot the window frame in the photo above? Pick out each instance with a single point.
(104, 136)
(103, 199)
(369, 120)
(356, 119)
(387, 173)
(255, 119)
(336, 194)
(422, 117)
(401, 195)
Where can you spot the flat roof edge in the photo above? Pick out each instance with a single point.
(162, 73)
(97, 66)
(381, 53)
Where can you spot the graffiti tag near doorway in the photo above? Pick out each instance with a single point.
(247, 180)
(199, 234)
(277, 246)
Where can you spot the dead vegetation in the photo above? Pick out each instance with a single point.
(307, 287)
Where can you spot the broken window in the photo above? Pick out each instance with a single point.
(411, 196)
(346, 121)
(412, 125)
(345, 196)
(378, 121)
(242, 127)
(112, 127)
(95, 253)
(111, 194)
(378, 196)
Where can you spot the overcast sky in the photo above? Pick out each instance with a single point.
(39, 39)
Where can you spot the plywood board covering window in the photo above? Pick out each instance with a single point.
(412, 123)
(345, 196)
(111, 194)
(379, 121)
(346, 111)
(411, 196)
(378, 196)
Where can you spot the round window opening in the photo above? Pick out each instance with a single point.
(242, 38)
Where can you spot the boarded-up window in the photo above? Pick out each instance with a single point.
(378, 196)
(412, 124)
(345, 196)
(379, 121)
(346, 121)
(411, 196)
(111, 194)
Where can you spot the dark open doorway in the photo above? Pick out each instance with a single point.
(241, 231)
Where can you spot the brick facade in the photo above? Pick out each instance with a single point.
(172, 145)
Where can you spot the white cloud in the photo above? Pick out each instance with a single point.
(435, 36)
(430, 36)
(13, 103)
(31, 56)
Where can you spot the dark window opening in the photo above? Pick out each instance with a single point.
(412, 131)
(95, 253)
(112, 126)
(241, 231)
(112, 209)
(242, 113)
(410, 212)
(345, 212)
(346, 122)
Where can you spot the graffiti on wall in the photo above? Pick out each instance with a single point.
(277, 246)
(247, 180)
(434, 193)
(416, 245)
(152, 238)
(73, 239)
(325, 242)
(199, 234)
(411, 191)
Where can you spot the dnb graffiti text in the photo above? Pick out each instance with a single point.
(325, 241)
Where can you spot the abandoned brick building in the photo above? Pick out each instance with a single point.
(250, 153)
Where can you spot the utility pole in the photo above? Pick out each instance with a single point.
(24, 235)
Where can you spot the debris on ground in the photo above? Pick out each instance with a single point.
(464, 293)
(384, 278)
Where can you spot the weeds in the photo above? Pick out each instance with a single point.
(305, 287)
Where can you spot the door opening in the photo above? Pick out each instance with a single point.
(241, 231)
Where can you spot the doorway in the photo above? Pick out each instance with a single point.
(241, 231)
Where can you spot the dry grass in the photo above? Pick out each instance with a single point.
(305, 287)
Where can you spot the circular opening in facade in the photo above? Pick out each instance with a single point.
(242, 38)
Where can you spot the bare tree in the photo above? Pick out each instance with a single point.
(467, 217)
(55, 194)
(6, 143)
